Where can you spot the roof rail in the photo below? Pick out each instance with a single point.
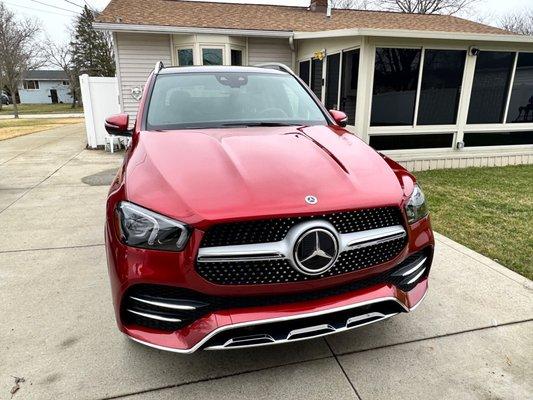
(277, 65)
(158, 67)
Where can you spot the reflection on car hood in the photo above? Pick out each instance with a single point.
(199, 176)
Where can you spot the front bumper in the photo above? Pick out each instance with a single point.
(272, 325)
(269, 322)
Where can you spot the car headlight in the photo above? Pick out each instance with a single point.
(140, 227)
(416, 208)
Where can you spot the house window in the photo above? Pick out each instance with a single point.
(440, 90)
(332, 81)
(349, 76)
(521, 105)
(31, 85)
(185, 57)
(497, 138)
(65, 83)
(415, 141)
(490, 88)
(304, 71)
(395, 84)
(212, 56)
(316, 77)
(236, 57)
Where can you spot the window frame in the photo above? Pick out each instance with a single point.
(244, 60)
(337, 50)
(207, 46)
(36, 85)
(186, 47)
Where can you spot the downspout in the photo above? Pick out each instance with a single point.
(293, 52)
(328, 10)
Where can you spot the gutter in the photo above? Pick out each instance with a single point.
(416, 34)
(119, 27)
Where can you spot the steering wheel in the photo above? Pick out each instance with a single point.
(273, 112)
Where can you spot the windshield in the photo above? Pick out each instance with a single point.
(214, 100)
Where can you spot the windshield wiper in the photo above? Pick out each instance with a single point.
(259, 124)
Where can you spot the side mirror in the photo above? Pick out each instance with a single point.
(340, 118)
(117, 125)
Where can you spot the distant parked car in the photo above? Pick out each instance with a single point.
(5, 98)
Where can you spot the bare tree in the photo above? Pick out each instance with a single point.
(449, 7)
(352, 4)
(59, 55)
(519, 22)
(19, 49)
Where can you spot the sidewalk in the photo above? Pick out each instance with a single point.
(471, 338)
(43, 116)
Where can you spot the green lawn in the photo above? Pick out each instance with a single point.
(41, 109)
(489, 210)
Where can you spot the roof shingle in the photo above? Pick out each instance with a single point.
(179, 13)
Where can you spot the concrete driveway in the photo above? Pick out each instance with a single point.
(472, 338)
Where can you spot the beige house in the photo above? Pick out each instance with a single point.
(431, 91)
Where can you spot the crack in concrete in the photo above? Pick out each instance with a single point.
(357, 395)
(44, 180)
(80, 246)
(152, 390)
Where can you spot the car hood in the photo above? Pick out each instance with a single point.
(201, 176)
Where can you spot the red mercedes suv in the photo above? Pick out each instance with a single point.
(245, 214)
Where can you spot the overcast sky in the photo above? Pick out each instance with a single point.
(56, 15)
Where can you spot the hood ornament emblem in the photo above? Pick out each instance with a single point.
(311, 199)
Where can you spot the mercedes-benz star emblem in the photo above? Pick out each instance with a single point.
(316, 251)
(311, 199)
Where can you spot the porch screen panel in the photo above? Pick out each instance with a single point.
(316, 77)
(304, 71)
(440, 90)
(395, 84)
(350, 74)
(490, 87)
(521, 105)
(332, 81)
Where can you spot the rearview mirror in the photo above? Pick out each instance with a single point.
(340, 118)
(117, 125)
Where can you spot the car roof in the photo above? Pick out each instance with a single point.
(219, 69)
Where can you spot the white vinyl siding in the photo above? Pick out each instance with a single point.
(137, 55)
(262, 50)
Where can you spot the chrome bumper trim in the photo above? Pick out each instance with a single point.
(164, 305)
(279, 319)
(152, 316)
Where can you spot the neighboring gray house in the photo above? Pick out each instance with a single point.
(428, 90)
(44, 87)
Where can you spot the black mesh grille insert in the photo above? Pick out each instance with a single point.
(281, 271)
(273, 230)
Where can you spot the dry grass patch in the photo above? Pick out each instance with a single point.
(10, 128)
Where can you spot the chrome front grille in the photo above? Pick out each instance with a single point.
(275, 229)
(281, 271)
(364, 239)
